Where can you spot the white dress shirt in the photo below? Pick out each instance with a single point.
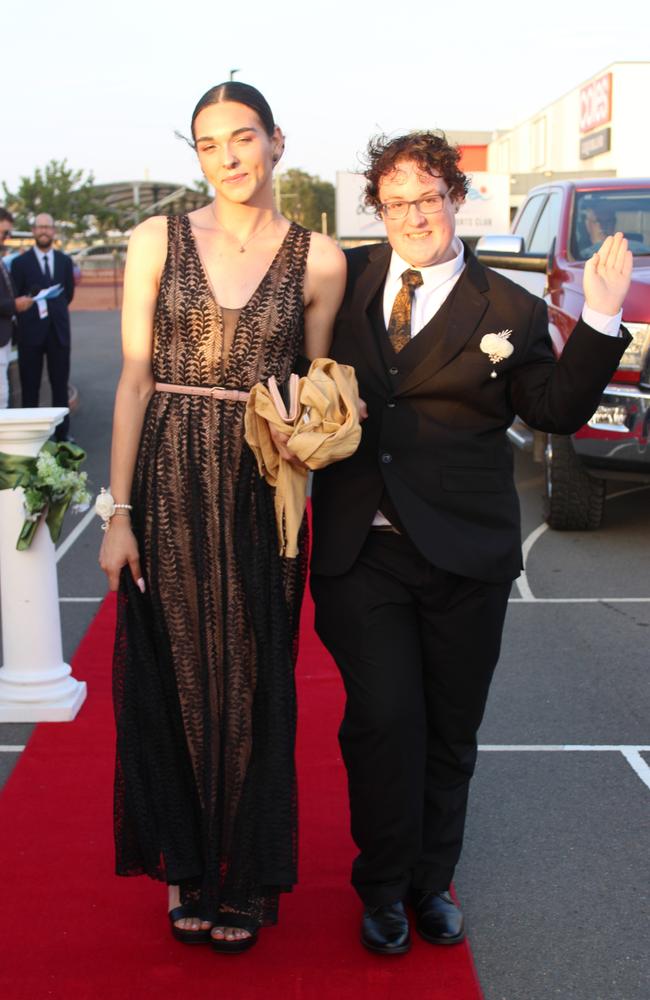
(437, 282)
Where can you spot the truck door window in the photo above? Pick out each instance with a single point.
(600, 213)
(547, 226)
(526, 222)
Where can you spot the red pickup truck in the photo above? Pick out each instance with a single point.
(559, 226)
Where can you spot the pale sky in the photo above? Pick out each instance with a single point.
(105, 84)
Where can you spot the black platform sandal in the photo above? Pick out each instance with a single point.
(201, 936)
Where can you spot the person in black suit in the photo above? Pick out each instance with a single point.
(417, 535)
(44, 332)
(10, 306)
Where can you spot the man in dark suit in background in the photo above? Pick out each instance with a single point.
(10, 306)
(417, 535)
(44, 330)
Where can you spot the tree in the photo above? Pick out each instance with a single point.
(304, 197)
(59, 190)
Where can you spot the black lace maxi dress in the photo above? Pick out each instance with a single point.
(205, 792)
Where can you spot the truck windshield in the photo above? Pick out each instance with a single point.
(599, 214)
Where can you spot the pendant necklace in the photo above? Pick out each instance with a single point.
(242, 246)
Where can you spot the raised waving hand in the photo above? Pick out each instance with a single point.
(607, 276)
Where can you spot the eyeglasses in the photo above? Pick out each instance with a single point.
(428, 206)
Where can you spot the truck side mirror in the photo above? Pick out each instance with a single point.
(500, 246)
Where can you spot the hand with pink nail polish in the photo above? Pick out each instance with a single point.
(119, 549)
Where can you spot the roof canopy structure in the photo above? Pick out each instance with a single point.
(144, 197)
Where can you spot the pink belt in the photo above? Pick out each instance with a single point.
(215, 391)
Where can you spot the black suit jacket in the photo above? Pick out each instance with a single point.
(435, 437)
(7, 306)
(28, 278)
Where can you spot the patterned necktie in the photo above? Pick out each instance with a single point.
(399, 327)
(46, 270)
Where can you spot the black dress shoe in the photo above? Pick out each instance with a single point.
(438, 919)
(385, 929)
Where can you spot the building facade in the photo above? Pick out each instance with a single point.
(594, 130)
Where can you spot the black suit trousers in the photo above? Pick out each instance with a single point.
(30, 366)
(416, 647)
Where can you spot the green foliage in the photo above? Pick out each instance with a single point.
(304, 197)
(59, 190)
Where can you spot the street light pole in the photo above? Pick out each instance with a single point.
(232, 73)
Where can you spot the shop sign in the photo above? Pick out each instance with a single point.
(596, 103)
(596, 143)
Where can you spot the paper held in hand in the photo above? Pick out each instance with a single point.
(48, 293)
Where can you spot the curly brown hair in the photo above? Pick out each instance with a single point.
(430, 150)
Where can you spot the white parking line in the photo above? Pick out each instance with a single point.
(80, 600)
(579, 600)
(522, 580)
(636, 761)
(74, 535)
(10, 749)
(563, 748)
(631, 754)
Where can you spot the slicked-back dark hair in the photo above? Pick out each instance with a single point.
(6, 216)
(430, 150)
(240, 93)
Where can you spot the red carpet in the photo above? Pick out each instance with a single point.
(71, 930)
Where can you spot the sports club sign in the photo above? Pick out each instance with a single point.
(486, 208)
(596, 103)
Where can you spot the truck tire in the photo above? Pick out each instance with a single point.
(574, 500)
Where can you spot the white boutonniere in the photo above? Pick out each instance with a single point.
(497, 347)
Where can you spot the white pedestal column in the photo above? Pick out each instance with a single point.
(35, 684)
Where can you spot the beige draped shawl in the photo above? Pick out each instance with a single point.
(323, 429)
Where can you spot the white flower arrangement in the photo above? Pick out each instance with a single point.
(54, 484)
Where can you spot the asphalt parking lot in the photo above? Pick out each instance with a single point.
(555, 874)
(554, 878)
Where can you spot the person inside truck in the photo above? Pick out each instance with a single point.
(600, 222)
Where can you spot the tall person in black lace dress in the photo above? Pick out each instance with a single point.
(226, 296)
